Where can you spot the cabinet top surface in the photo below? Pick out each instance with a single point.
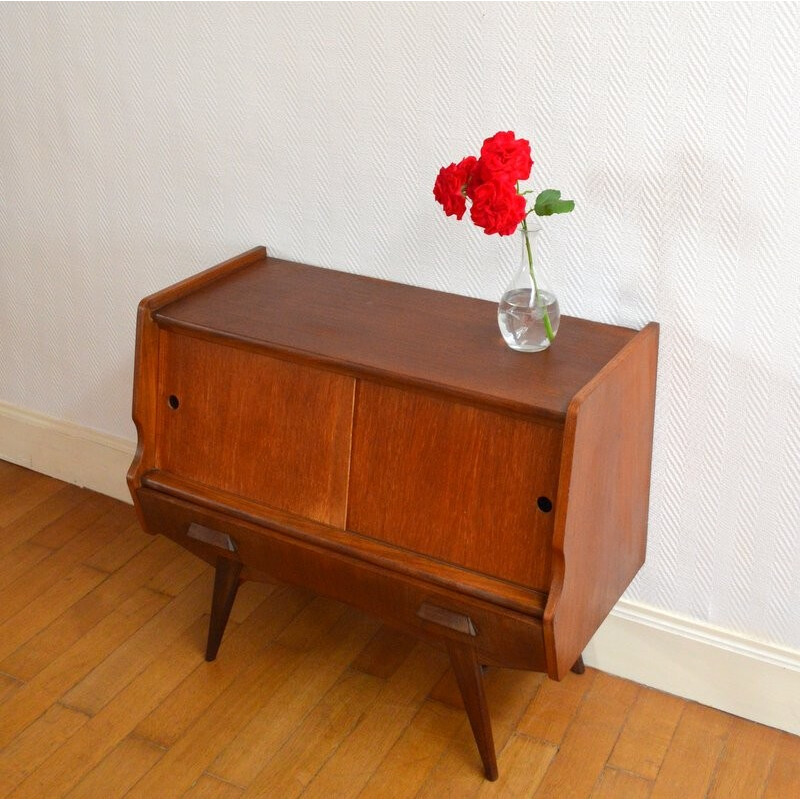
(414, 335)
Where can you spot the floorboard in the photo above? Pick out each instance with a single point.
(104, 690)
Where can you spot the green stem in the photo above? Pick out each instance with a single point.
(538, 299)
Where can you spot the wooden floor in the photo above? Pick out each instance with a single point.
(104, 691)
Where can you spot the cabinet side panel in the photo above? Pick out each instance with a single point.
(261, 428)
(601, 516)
(147, 361)
(145, 388)
(455, 482)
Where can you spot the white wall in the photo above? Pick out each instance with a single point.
(140, 143)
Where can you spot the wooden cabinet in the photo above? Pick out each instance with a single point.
(379, 444)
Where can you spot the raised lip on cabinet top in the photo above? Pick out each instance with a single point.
(406, 334)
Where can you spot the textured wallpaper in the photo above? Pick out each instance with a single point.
(140, 143)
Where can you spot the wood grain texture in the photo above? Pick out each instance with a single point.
(33, 746)
(454, 482)
(503, 636)
(256, 426)
(615, 783)
(343, 732)
(589, 738)
(384, 449)
(746, 762)
(145, 389)
(604, 488)
(647, 733)
(469, 676)
(430, 339)
(784, 775)
(695, 753)
(551, 711)
(119, 770)
(231, 508)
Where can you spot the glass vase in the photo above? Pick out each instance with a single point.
(528, 313)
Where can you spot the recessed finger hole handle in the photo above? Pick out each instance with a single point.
(173, 401)
(545, 504)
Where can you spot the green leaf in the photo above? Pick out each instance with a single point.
(549, 202)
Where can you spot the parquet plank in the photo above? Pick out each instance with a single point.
(50, 508)
(102, 733)
(459, 772)
(316, 618)
(209, 786)
(11, 474)
(318, 670)
(417, 751)
(33, 699)
(8, 686)
(745, 762)
(784, 777)
(23, 491)
(46, 607)
(177, 572)
(553, 708)
(384, 653)
(7, 471)
(134, 654)
(307, 697)
(173, 717)
(693, 753)
(647, 732)
(509, 693)
(80, 618)
(20, 561)
(94, 510)
(589, 739)
(446, 691)
(90, 526)
(252, 594)
(118, 552)
(191, 755)
(119, 770)
(522, 765)
(290, 770)
(360, 754)
(618, 783)
(28, 750)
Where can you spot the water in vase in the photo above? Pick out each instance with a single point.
(522, 322)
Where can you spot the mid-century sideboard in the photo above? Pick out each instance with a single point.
(379, 444)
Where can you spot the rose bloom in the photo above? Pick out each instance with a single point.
(497, 207)
(450, 186)
(504, 154)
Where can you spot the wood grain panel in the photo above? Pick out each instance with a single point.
(599, 544)
(256, 426)
(454, 482)
(58, 752)
(145, 378)
(503, 636)
(414, 335)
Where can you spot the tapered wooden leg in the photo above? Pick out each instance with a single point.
(578, 667)
(470, 681)
(226, 584)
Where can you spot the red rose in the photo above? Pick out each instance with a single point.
(497, 207)
(451, 184)
(504, 154)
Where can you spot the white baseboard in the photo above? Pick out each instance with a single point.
(64, 450)
(691, 659)
(714, 666)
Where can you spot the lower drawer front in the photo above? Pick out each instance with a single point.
(502, 637)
